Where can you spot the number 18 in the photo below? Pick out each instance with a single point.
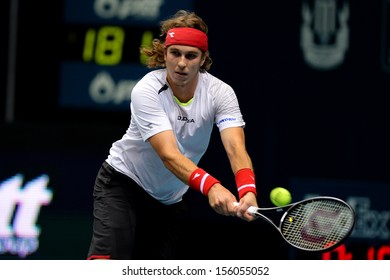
(109, 44)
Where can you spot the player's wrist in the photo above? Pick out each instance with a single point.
(245, 182)
(202, 181)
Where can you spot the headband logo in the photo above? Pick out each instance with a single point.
(171, 34)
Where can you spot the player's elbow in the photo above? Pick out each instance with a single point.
(169, 159)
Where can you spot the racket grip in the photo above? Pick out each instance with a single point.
(251, 210)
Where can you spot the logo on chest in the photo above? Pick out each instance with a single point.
(185, 119)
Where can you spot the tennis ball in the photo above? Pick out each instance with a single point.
(280, 196)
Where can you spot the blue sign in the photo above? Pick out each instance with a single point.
(122, 12)
(98, 87)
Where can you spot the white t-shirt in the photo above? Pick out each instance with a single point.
(155, 109)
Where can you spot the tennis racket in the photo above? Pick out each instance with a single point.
(316, 224)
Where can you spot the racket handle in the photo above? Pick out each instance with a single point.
(251, 210)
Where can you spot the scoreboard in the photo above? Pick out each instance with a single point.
(101, 61)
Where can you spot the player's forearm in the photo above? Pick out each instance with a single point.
(233, 140)
(242, 168)
(181, 166)
(239, 161)
(189, 173)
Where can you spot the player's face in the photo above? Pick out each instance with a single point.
(183, 64)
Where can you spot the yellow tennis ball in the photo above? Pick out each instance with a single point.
(280, 196)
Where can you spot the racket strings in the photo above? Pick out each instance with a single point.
(317, 225)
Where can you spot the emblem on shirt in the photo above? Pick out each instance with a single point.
(185, 119)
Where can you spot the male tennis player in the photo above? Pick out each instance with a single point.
(138, 206)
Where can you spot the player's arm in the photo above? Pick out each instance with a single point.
(164, 143)
(233, 140)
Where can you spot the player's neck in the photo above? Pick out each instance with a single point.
(185, 92)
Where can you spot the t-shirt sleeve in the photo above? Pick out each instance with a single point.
(228, 113)
(147, 110)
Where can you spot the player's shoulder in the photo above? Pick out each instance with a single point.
(155, 77)
(151, 82)
(214, 83)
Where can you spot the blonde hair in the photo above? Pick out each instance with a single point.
(181, 18)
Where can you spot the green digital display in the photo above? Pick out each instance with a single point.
(106, 45)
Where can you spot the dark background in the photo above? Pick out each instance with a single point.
(301, 122)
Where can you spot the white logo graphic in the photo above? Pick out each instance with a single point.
(324, 33)
(122, 9)
(103, 89)
(19, 210)
(171, 34)
(196, 176)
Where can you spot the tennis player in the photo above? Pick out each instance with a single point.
(139, 189)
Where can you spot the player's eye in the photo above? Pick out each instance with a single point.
(175, 53)
(191, 56)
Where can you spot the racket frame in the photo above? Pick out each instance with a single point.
(286, 209)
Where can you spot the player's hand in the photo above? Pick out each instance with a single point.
(249, 199)
(222, 200)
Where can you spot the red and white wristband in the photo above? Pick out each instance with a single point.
(201, 181)
(245, 182)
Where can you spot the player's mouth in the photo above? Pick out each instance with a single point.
(181, 74)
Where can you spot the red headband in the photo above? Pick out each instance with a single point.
(187, 36)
